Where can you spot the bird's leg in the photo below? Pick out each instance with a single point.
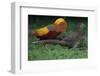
(76, 45)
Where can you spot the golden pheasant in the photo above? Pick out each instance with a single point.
(51, 32)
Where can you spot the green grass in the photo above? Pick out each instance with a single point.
(51, 51)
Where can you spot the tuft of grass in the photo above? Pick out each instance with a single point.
(50, 51)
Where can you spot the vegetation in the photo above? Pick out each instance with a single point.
(51, 51)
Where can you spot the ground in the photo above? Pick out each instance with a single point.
(51, 51)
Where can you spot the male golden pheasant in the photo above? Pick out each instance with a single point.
(51, 32)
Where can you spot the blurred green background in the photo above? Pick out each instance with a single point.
(50, 51)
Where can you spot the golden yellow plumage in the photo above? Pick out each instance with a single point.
(57, 27)
(42, 31)
(58, 21)
(60, 25)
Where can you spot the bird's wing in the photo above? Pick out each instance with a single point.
(71, 37)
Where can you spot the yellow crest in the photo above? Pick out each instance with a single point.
(58, 21)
